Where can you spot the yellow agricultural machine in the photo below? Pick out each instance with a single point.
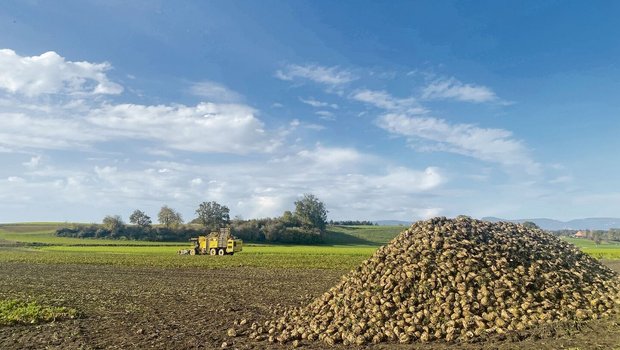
(216, 243)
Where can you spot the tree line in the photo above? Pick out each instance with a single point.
(353, 223)
(307, 224)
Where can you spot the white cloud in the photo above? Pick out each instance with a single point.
(325, 115)
(411, 180)
(563, 179)
(21, 130)
(215, 92)
(395, 193)
(264, 205)
(33, 162)
(338, 176)
(319, 74)
(315, 127)
(494, 145)
(295, 124)
(159, 152)
(113, 185)
(315, 103)
(329, 158)
(405, 117)
(15, 179)
(426, 213)
(206, 127)
(351, 183)
(50, 73)
(452, 88)
(79, 120)
(384, 100)
(105, 171)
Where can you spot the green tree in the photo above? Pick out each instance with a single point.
(213, 215)
(529, 224)
(113, 223)
(311, 212)
(613, 234)
(289, 220)
(138, 217)
(597, 237)
(169, 217)
(274, 230)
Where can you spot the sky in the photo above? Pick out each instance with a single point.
(385, 110)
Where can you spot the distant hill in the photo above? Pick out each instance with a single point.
(577, 224)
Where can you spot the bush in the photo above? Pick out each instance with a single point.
(148, 233)
(300, 235)
(250, 230)
(276, 231)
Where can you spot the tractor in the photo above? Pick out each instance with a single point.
(216, 243)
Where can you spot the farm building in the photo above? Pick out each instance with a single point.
(580, 234)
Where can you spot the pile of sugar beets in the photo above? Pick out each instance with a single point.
(456, 280)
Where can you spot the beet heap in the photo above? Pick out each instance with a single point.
(453, 279)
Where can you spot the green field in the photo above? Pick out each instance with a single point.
(362, 235)
(42, 233)
(345, 248)
(604, 250)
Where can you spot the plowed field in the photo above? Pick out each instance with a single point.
(191, 308)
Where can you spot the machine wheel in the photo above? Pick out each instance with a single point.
(221, 252)
(212, 251)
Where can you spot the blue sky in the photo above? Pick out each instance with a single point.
(384, 110)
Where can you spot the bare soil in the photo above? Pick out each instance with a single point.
(147, 307)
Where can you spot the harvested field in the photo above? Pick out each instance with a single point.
(146, 296)
(455, 280)
(149, 307)
(161, 308)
